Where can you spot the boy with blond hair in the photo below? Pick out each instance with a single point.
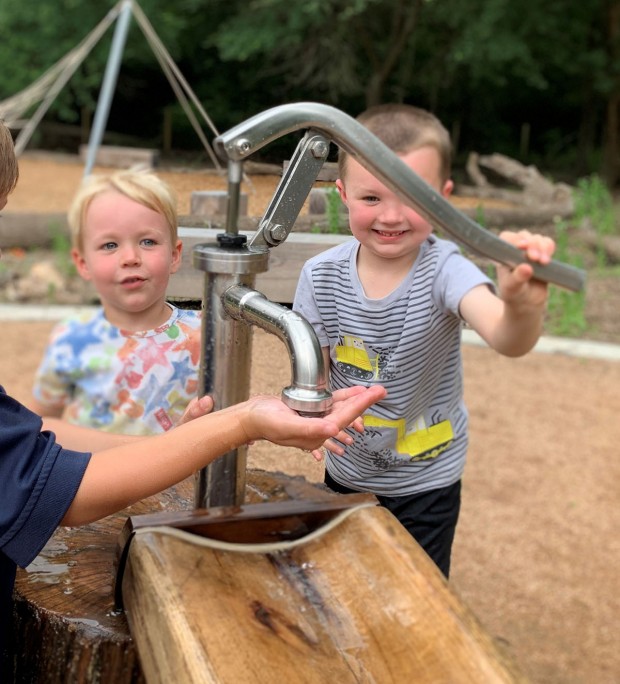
(389, 307)
(132, 366)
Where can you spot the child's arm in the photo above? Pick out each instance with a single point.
(141, 467)
(78, 438)
(45, 409)
(512, 323)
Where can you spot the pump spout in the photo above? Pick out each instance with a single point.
(308, 393)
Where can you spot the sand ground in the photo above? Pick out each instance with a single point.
(537, 547)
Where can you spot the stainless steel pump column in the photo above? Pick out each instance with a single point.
(226, 356)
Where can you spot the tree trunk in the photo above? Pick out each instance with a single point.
(611, 150)
(66, 626)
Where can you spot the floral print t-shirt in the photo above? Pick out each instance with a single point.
(135, 383)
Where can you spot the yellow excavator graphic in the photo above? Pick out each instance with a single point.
(423, 442)
(354, 359)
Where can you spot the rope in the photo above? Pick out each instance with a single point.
(177, 81)
(51, 83)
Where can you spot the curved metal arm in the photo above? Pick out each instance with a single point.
(242, 140)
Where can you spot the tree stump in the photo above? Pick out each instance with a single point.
(66, 628)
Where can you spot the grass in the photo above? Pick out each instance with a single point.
(594, 207)
(594, 210)
(61, 247)
(333, 211)
(566, 310)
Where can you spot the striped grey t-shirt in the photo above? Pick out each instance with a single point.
(409, 342)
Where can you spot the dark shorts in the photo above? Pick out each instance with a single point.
(430, 517)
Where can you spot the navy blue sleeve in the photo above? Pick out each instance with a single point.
(38, 481)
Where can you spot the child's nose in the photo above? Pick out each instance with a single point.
(392, 212)
(130, 255)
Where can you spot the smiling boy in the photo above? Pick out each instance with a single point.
(388, 308)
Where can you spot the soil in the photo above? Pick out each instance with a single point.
(537, 549)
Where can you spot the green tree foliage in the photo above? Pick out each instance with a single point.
(341, 51)
(490, 66)
(35, 35)
(491, 69)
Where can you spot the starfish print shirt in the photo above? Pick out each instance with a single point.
(135, 383)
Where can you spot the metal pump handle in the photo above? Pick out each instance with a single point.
(248, 137)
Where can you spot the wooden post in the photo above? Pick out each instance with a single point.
(455, 136)
(524, 142)
(85, 123)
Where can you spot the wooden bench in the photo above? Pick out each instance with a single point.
(278, 283)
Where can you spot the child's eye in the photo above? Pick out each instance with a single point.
(109, 245)
(371, 199)
(147, 242)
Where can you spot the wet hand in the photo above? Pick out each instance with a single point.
(269, 418)
(340, 441)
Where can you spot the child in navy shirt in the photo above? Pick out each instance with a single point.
(43, 485)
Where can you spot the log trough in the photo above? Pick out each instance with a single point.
(299, 585)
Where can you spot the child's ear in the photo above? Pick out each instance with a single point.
(447, 189)
(177, 251)
(341, 190)
(80, 264)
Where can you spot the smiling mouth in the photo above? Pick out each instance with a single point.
(132, 281)
(389, 234)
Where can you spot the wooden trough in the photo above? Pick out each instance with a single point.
(66, 626)
(354, 599)
(299, 585)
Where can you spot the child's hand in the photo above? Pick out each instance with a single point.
(517, 286)
(335, 445)
(197, 407)
(268, 418)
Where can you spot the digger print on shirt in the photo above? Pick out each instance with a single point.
(421, 443)
(358, 363)
(414, 442)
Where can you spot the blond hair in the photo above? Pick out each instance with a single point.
(404, 128)
(139, 184)
(9, 170)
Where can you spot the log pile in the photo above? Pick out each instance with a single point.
(528, 198)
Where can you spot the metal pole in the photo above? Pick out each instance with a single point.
(109, 84)
(225, 361)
